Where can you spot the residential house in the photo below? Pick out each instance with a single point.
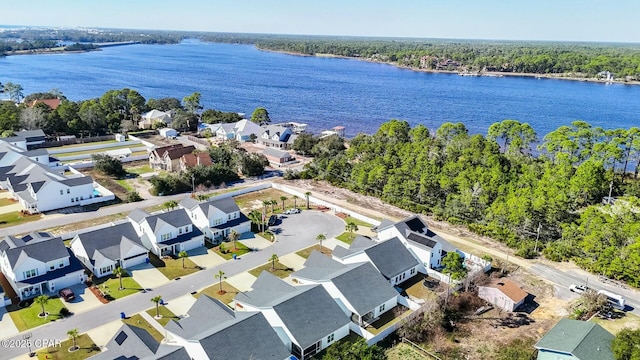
(216, 218)
(575, 340)
(26, 139)
(103, 250)
(503, 293)
(166, 233)
(132, 342)
(168, 157)
(276, 156)
(148, 119)
(390, 257)
(38, 263)
(242, 131)
(211, 330)
(296, 127)
(51, 103)
(168, 132)
(306, 318)
(359, 289)
(277, 136)
(188, 161)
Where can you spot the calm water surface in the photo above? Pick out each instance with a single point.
(323, 92)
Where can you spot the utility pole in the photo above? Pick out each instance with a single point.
(193, 185)
(609, 200)
(535, 248)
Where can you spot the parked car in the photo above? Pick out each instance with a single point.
(272, 220)
(577, 288)
(292, 211)
(67, 294)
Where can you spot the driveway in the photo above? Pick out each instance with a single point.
(242, 281)
(7, 327)
(180, 305)
(102, 334)
(204, 258)
(147, 276)
(85, 300)
(253, 241)
(293, 260)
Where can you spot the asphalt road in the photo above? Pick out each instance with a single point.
(297, 232)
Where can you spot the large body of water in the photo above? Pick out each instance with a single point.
(323, 92)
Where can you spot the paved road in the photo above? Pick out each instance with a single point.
(298, 232)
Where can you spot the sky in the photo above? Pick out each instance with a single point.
(555, 20)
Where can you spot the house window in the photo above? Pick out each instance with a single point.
(381, 308)
(61, 264)
(413, 271)
(229, 216)
(71, 199)
(52, 267)
(165, 237)
(30, 273)
(61, 192)
(105, 270)
(179, 231)
(186, 229)
(330, 338)
(68, 191)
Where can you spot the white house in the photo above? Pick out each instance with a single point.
(359, 289)
(148, 119)
(168, 132)
(216, 218)
(503, 293)
(277, 136)
(38, 263)
(105, 249)
(390, 257)
(306, 318)
(211, 330)
(133, 342)
(424, 244)
(166, 233)
(26, 139)
(243, 130)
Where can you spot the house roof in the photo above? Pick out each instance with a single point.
(191, 160)
(358, 245)
(391, 257)
(204, 314)
(509, 288)
(245, 127)
(31, 135)
(422, 240)
(177, 152)
(36, 152)
(229, 224)
(279, 154)
(74, 266)
(176, 218)
(267, 291)
(52, 103)
(137, 215)
(227, 205)
(131, 342)
(112, 242)
(156, 115)
(584, 340)
(44, 251)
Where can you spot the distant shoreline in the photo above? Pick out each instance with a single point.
(61, 49)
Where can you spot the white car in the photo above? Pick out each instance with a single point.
(292, 211)
(577, 288)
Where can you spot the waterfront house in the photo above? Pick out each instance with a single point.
(51, 103)
(148, 119)
(38, 263)
(276, 156)
(103, 250)
(216, 218)
(277, 136)
(132, 342)
(575, 340)
(242, 131)
(188, 161)
(503, 293)
(211, 330)
(168, 157)
(416, 236)
(166, 233)
(305, 317)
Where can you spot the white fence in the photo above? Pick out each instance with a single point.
(143, 142)
(61, 157)
(54, 151)
(89, 163)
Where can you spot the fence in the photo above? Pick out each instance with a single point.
(420, 349)
(143, 142)
(61, 152)
(200, 141)
(73, 141)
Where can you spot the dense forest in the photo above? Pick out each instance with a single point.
(495, 186)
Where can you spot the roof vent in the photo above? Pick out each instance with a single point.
(501, 283)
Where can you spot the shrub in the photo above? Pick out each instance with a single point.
(64, 312)
(133, 196)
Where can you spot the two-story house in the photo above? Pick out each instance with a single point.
(390, 257)
(150, 118)
(188, 161)
(576, 340)
(166, 233)
(242, 131)
(306, 318)
(38, 263)
(277, 136)
(105, 249)
(216, 218)
(211, 330)
(132, 342)
(168, 157)
(359, 289)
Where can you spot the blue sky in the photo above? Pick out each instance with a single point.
(572, 20)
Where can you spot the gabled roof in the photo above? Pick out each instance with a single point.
(358, 245)
(51, 103)
(267, 291)
(204, 314)
(245, 127)
(112, 242)
(156, 115)
(226, 205)
(391, 257)
(176, 218)
(44, 251)
(137, 215)
(509, 288)
(191, 160)
(584, 340)
(177, 152)
(37, 134)
(273, 152)
(74, 266)
(131, 342)
(422, 240)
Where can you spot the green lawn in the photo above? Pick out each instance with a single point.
(212, 291)
(137, 170)
(627, 320)
(109, 286)
(346, 237)
(61, 156)
(83, 144)
(15, 218)
(125, 184)
(87, 349)
(172, 268)
(27, 318)
(240, 250)
(404, 351)
(155, 208)
(306, 252)
(268, 235)
(139, 321)
(358, 222)
(166, 314)
(6, 201)
(280, 271)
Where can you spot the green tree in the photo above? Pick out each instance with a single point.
(307, 194)
(73, 335)
(273, 259)
(283, 199)
(626, 345)
(260, 116)
(220, 276)
(183, 255)
(119, 273)
(184, 121)
(41, 300)
(108, 165)
(517, 137)
(170, 205)
(320, 238)
(351, 227)
(14, 91)
(357, 350)
(156, 300)
(233, 237)
(9, 117)
(192, 103)
(454, 265)
(256, 218)
(94, 116)
(304, 144)
(295, 201)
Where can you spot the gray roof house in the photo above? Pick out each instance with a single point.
(38, 263)
(216, 218)
(306, 317)
(167, 232)
(104, 249)
(577, 340)
(277, 136)
(212, 330)
(359, 289)
(131, 342)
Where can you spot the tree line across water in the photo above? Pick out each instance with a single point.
(550, 203)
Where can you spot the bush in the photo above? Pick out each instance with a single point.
(64, 312)
(108, 165)
(133, 196)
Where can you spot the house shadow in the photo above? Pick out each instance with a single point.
(529, 305)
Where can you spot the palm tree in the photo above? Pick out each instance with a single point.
(170, 205)
(156, 300)
(307, 194)
(320, 238)
(120, 272)
(273, 260)
(234, 236)
(73, 334)
(273, 204)
(283, 198)
(295, 201)
(183, 254)
(42, 300)
(264, 213)
(220, 276)
(256, 217)
(351, 227)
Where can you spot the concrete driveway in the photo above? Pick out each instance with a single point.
(147, 276)
(293, 260)
(85, 300)
(102, 334)
(180, 305)
(7, 327)
(253, 241)
(242, 281)
(204, 258)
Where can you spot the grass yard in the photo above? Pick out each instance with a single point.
(212, 291)
(61, 156)
(629, 320)
(172, 268)
(166, 314)
(125, 184)
(109, 286)
(155, 208)
(84, 224)
(346, 237)
(240, 250)
(87, 349)
(280, 271)
(139, 321)
(15, 218)
(250, 200)
(7, 201)
(83, 144)
(27, 318)
(387, 319)
(306, 252)
(404, 351)
(358, 222)
(268, 235)
(137, 170)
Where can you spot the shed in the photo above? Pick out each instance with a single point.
(503, 293)
(168, 132)
(277, 156)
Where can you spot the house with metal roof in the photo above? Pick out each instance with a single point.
(305, 317)
(211, 330)
(576, 340)
(38, 263)
(277, 136)
(166, 233)
(132, 342)
(216, 218)
(359, 289)
(390, 257)
(276, 156)
(105, 249)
